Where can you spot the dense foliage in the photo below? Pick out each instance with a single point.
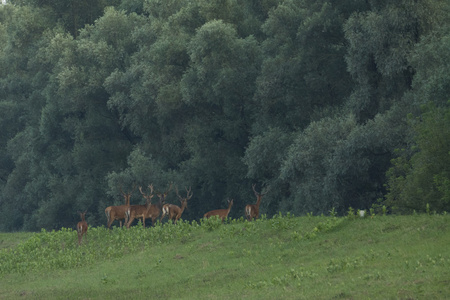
(308, 97)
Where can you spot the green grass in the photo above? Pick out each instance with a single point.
(385, 257)
(9, 240)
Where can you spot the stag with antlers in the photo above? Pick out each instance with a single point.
(252, 210)
(155, 209)
(140, 211)
(221, 213)
(174, 211)
(82, 227)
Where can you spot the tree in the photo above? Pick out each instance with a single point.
(338, 163)
(73, 140)
(219, 86)
(263, 158)
(304, 70)
(72, 15)
(380, 43)
(419, 174)
(309, 97)
(431, 61)
(424, 178)
(21, 82)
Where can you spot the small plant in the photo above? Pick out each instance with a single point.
(333, 212)
(337, 265)
(282, 222)
(351, 213)
(104, 279)
(297, 236)
(212, 223)
(373, 276)
(291, 278)
(378, 208)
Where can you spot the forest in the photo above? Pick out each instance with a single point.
(323, 105)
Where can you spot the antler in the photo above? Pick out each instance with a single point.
(147, 196)
(253, 187)
(130, 193)
(140, 190)
(261, 194)
(150, 186)
(187, 193)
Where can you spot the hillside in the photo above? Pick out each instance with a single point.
(286, 257)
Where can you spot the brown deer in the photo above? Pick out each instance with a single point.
(221, 213)
(118, 212)
(155, 209)
(173, 211)
(140, 211)
(252, 210)
(82, 227)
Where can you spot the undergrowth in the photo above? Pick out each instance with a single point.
(52, 250)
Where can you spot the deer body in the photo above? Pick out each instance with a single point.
(221, 213)
(118, 212)
(173, 211)
(137, 212)
(82, 228)
(152, 211)
(155, 210)
(252, 210)
(140, 211)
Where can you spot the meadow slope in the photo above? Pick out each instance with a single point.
(285, 257)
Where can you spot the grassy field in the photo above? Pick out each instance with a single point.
(285, 257)
(9, 240)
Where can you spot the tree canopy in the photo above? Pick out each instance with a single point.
(332, 105)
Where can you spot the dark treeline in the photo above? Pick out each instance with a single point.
(331, 104)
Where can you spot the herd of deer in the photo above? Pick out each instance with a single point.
(128, 213)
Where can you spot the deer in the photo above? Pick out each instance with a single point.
(252, 210)
(221, 213)
(174, 211)
(155, 209)
(140, 211)
(118, 212)
(82, 227)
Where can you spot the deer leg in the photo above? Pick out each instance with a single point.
(130, 220)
